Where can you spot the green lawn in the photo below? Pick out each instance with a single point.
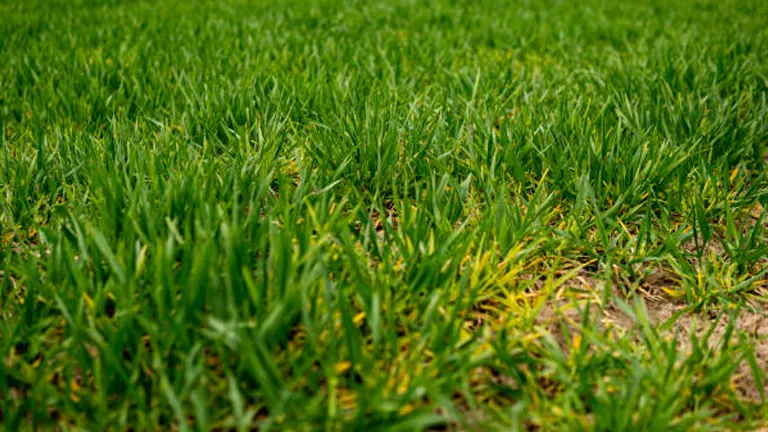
(383, 215)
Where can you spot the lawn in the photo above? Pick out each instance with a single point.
(383, 215)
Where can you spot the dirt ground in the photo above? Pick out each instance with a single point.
(672, 319)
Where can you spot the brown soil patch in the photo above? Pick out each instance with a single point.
(560, 314)
(753, 322)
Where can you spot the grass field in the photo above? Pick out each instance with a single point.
(383, 215)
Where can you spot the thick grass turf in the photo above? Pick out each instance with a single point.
(364, 215)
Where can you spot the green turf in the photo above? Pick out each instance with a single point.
(361, 215)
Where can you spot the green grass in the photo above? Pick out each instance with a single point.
(374, 215)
